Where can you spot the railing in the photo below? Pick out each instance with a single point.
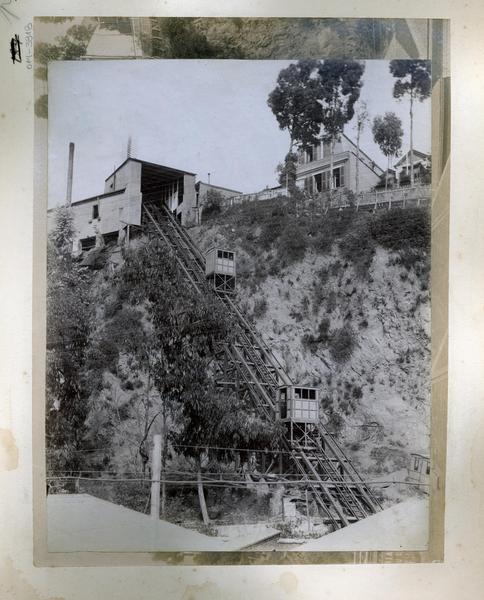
(256, 196)
(397, 197)
(404, 197)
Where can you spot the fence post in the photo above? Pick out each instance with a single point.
(155, 477)
(307, 511)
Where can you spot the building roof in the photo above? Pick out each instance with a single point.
(416, 154)
(364, 154)
(218, 187)
(91, 198)
(148, 164)
(420, 455)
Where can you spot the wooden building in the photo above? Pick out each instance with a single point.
(118, 209)
(313, 169)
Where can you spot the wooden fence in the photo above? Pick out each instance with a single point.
(405, 197)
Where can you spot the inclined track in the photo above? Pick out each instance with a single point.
(336, 485)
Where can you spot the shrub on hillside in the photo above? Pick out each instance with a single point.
(325, 231)
(323, 330)
(272, 228)
(399, 229)
(260, 308)
(335, 423)
(358, 247)
(311, 342)
(212, 205)
(342, 343)
(292, 244)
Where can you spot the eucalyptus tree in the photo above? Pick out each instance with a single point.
(294, 102)
(387, 133)
(362, 118)
(412, 80)
(69, 316)
(339, 86)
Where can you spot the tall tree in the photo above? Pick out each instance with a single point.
(387, 133)
(287, 172)
(412, 80)
(187, 330)
(339, 85)
(68, 330)
(294, 104)
(362, 118)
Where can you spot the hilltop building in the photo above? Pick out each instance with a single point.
(118, 209)
(202, 191)
(399, 176)
(314, 165)
(422, 166)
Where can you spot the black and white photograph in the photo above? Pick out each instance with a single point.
(238, 299)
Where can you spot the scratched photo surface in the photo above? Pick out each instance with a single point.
(238, 301)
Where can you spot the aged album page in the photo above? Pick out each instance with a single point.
(241, 275)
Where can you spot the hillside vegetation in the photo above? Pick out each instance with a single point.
(343, 300)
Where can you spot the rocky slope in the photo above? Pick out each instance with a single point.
(360, 335)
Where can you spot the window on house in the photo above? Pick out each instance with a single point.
(415, 463)
(326, 149)
(428, 468)
(95, 211)
(310, 154)
(339, 177)
(318, 181)
(317, 151)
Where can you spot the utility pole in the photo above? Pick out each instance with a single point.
(155, 477)
(70, 172)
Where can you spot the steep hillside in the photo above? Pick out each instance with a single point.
(343, 301)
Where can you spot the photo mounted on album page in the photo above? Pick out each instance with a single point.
(241, 361)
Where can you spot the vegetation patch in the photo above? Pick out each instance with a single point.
(342, 343)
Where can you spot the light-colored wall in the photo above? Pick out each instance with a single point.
(368, 178)
(188, 208)
(118, 210)
(345, 154)
(112, 211)
(129, 177)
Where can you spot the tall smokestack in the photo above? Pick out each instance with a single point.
(208, 178)
(70, 170)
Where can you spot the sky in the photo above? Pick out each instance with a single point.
(201, 116)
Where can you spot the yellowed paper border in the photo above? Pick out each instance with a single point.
(433, 43)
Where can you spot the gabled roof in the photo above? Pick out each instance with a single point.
(363, 153)
(218, 187)
(148, 164)
(90, 199)
(416, 154)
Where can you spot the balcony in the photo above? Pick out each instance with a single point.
(315, 166)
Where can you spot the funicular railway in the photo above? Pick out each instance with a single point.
(248, 367)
